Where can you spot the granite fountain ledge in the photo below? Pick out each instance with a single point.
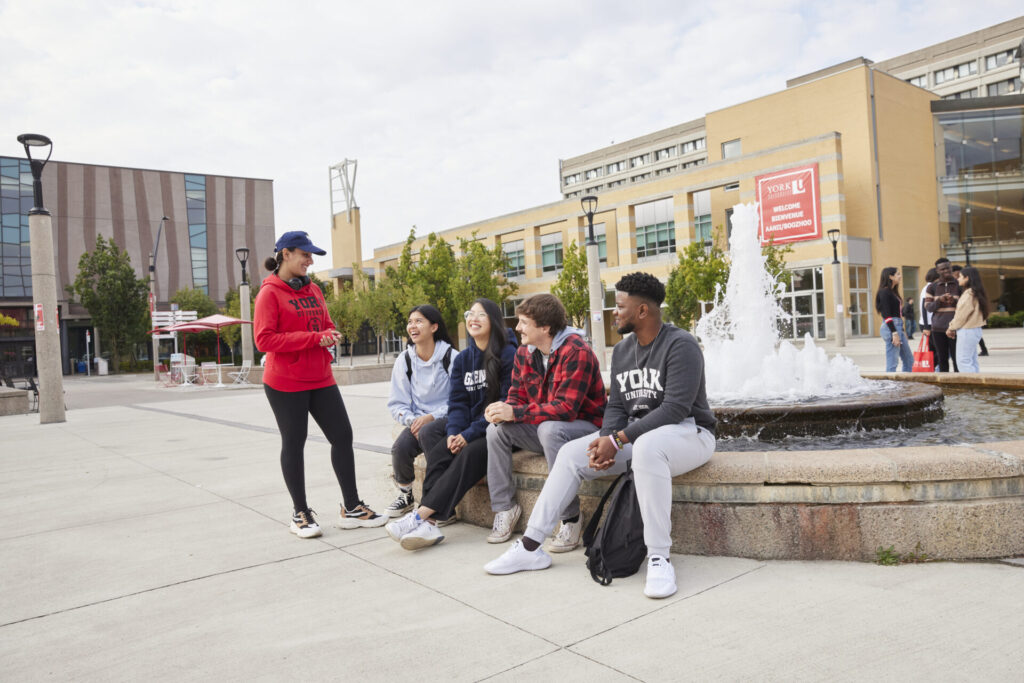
(953, 502)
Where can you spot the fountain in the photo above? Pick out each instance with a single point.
(767, 389)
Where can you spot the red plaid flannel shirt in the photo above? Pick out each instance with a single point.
(571, 389)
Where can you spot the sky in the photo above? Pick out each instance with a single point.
(456, 111)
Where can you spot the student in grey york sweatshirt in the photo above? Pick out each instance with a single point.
(419, 397)
(657, 416)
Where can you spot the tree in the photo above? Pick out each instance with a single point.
(573, 284)
(116, 299)
(695, 279)
(434, 273)
(191, 299)
(376, 301)
(7, 321)
(775, 261)
(345, 311)
(232, 334)
(479, 272)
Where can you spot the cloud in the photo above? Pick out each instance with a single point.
(456, 111)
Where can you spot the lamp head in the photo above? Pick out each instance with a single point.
(833, 236)
(35, 140)
(589, 204)
(242, 254)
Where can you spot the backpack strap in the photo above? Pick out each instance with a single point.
(447, 360)
(408, 366)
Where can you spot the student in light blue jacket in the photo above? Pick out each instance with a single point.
(419, 397)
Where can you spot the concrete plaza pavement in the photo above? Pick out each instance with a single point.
(147, 537)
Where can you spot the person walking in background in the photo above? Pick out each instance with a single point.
(940, 300)
(909, 318)
(972, 311)
(481, 375)
(557, 395)
(981, 342)
(293, 327)
(418, 398)
(889, 305)
(926, 317)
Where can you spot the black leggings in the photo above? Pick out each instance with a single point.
(945, 351)
(449, 476)
(291, 409)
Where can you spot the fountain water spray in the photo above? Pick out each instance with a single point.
(744, 358)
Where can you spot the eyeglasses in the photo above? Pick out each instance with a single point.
(472, 314)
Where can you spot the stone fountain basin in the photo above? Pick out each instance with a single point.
(962, 501)
(904, 405)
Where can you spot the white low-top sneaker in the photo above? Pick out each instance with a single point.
(504, 524)
(661, 577)
(567, 538)
(518, 559)
(422, 536)
(403, 525)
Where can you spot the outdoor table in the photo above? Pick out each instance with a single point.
(220, 367)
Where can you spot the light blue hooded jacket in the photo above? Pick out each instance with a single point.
(427, 393)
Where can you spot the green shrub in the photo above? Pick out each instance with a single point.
(1006, 319)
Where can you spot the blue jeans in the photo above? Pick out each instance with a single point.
(895, 353)
(967, 349)
(911, 326)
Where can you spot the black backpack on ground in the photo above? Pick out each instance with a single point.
(616, 549)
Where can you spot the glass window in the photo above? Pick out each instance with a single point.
(572, 179)
(15, 203)
(551, 252)
(616, 167)
(655, 228)
(702, 215)
(920, 81)
(694, 145)
(515, 258)
(601, 238)
(732, 148)
(638, 178)
(195, 199)
(860, 295)
(666, 153)
(804, 299)
(999, 59)
(639, 160)
(593, 173)
(1010, 86)
(962, 95)
(954, 72)
(731, 187)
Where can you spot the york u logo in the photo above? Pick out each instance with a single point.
(306, 302)
(798, 186)
(639, 379)
(475, 378)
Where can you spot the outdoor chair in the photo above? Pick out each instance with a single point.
(209, 370)
(242, 374)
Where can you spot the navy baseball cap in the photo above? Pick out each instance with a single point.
(297, 239)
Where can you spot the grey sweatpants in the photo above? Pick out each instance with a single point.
(547, 438)
(657, 456)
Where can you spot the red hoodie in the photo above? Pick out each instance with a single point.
(289, 325)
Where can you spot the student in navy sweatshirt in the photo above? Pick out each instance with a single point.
(481, 375)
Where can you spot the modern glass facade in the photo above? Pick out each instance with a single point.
(655, 228)
(515, 258)
(195, 201)
(981, 209)
(15, 203)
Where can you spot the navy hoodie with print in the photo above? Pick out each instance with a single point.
(467, 395)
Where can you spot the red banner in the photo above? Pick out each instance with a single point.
(789, 205)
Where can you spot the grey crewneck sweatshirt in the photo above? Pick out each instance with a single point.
(658, 384)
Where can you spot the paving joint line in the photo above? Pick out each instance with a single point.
(260, 428)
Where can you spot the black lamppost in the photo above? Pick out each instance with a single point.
(833, 237)
(242, 254)
(837, 288)
(152, 297)
(44, 289)
(595, 322)
(967, 251)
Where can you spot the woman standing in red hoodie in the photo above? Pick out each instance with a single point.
(294, 329)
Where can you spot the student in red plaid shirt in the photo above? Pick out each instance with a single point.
(556, 395)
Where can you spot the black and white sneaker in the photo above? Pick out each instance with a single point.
(304, 525)
(404, 503)
(361, 516)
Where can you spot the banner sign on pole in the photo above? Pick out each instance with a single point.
(789, 205)
(40, 325)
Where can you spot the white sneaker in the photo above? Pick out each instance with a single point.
(518, 559)
(661, 577)
(402, 526)
(422, 536)
(567, 538)
(504, 524)
(304, 525)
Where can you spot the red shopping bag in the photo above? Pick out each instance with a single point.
(923, 358)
